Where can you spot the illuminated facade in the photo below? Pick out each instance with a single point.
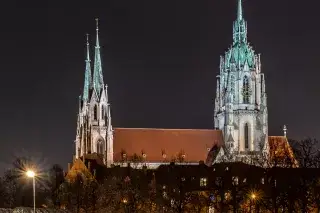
(240, 118)
(241, 101)
(94, 128)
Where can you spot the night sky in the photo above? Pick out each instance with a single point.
(160, 60)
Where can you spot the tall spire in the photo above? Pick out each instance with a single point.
(87, 76)
(97, 72)
(239, 10)
(239, 26)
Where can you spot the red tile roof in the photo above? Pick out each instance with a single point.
(160, 145)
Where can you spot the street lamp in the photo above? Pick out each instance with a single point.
(32, 174)
(253, 196)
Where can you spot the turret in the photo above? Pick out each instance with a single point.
(87, 76)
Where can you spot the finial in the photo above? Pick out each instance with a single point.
(285, 130)
(97, 23)
(239, 10)
(87, 36)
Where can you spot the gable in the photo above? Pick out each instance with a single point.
(78, 167)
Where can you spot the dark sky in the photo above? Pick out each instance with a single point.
(160, 59)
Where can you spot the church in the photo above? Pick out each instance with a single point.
(239, 129)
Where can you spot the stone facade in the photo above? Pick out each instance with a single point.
(241, 100)
(94, 128)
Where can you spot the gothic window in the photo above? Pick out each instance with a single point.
(100, 146)
(95, 112)
(246, 136)
(246, 90)
(102, 112)
(79, 152)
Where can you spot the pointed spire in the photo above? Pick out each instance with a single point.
(285, 130)
(239, 10)
(87, 76)
(97, 73)
(239, 26)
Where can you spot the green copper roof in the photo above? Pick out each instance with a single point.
(239, 27)
(240, 52)
(97, 72)
(87, 75)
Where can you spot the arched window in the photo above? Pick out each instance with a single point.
(95, 112)
(246, 136)
(100, 147)
(102, 112)
(246, 90)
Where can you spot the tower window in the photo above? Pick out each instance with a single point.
(246, 90)
(95, 112)
(246, 136)
(100, 146)
(102, 112)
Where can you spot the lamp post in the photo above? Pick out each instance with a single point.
(32, 174)
(253, 197)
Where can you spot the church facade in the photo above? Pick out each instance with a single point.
(240, 117)
(241, 111)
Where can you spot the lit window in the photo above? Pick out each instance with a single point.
(235, 181)
(203, 181)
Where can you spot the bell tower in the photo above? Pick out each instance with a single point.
(241, 100)
(94, 128)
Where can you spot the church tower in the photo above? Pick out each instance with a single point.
(94, 128)
(241, 100)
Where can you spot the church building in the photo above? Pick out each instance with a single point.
(239, 129)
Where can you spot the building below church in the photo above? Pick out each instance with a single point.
(240, 118)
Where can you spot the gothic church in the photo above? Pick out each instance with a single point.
(240, 117)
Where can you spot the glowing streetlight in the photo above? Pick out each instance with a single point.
(124, 200)
(32, 174)
(253, 196)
